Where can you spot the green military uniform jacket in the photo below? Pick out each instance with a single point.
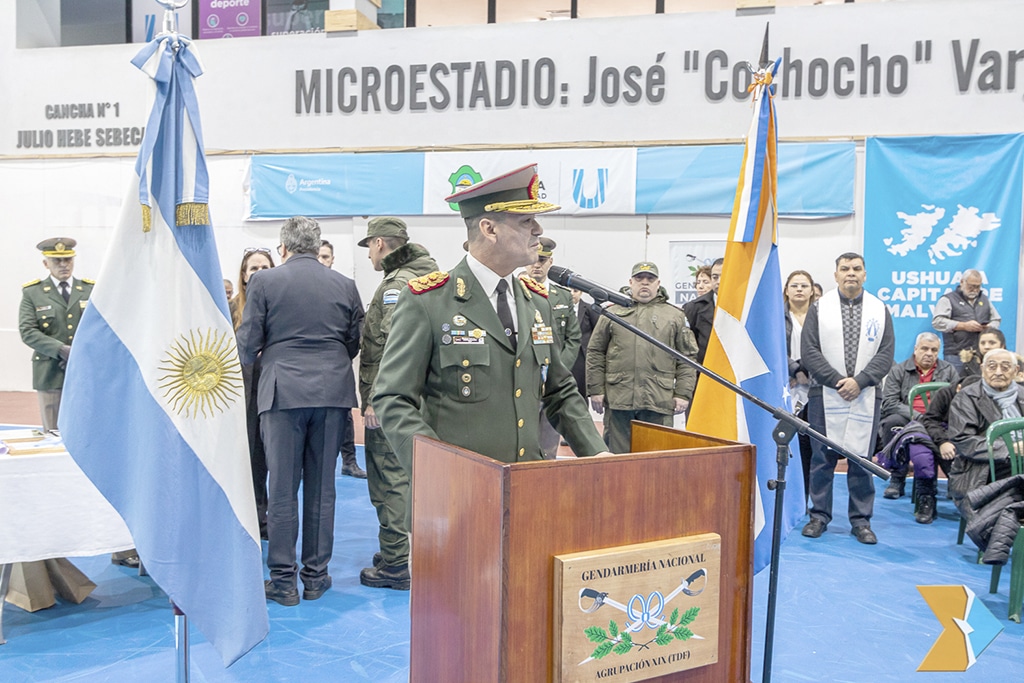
(566, 324)
(479, 394)
(400, 266)
(47, 323)
(631, 373)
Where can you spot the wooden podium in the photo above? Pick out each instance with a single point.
(485, 534)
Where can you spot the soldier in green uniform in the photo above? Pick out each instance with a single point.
(50, 311)
(472, 354)
(389, 478)
(565, 324)
(632, 378)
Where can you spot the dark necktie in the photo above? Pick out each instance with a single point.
(64, 292)
(504, 312)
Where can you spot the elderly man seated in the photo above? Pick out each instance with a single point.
(924, 366)
(976, 407)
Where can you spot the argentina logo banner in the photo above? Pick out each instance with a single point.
(152, 409)
(933, 208)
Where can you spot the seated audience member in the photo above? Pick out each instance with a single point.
(254, 260)
(924, 366)
(229, 289)
(798, 295)
(700, 312)
(702, 280)
(974, 408)
(970, 358)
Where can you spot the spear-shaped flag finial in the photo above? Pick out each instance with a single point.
(765, 60)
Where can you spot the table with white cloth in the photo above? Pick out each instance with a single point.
(50, 509)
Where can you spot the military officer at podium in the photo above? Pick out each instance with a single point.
(472, 352)
(48, 318)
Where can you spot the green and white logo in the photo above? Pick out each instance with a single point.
(463, 177)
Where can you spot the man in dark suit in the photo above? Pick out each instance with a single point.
(588, 318)
(304, 319)
(700, 312)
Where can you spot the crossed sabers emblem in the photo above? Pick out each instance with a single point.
(644, 611)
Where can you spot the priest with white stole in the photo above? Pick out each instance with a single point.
(847, 347)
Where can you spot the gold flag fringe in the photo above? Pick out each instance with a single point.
(192, 214)
(147, 218)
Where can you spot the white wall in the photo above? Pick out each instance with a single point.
(81, 198)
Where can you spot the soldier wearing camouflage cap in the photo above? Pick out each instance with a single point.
(629, 379)
(389, 477)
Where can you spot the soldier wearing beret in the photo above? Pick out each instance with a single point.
(389, 480)
(472, 354)
(565, 324)
(51, 309)
(633, 379)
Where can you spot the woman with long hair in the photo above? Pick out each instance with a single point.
(798, 295)
(992, 338)
(254, 260)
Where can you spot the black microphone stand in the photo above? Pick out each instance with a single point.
(788, 426)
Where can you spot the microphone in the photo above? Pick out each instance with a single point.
(599, 293)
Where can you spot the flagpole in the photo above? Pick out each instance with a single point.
(181, 645)
(181, 651)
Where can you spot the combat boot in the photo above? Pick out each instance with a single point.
(925, 512)
(896, 487)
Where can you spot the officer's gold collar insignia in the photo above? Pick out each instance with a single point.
(460, 287)
(428, 282)
(531, 285)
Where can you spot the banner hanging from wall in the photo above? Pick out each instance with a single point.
(815, 179)
(934, 207)
(285, 185)
(582, 181)
(686, 257)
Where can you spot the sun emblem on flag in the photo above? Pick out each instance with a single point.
(202, 373)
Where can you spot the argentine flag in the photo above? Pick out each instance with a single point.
(152, 409)
(748, 338)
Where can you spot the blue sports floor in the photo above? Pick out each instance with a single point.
(847, 612)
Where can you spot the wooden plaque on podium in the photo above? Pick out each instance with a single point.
(485, 535)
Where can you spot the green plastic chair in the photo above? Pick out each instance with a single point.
(1011, 431)
(924, 391)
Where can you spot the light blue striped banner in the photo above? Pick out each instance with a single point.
(815, 179)
(319, 185)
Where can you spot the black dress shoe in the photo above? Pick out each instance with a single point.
(288, 597)
(864, 534)
(314, 593)
(384, 576)
(814, 528)
(132, 561)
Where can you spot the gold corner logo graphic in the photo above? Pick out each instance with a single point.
(968, 627)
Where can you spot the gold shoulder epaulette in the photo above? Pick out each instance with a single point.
(531, 285)
(88, 281)
(425, 283)
(33, 282)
